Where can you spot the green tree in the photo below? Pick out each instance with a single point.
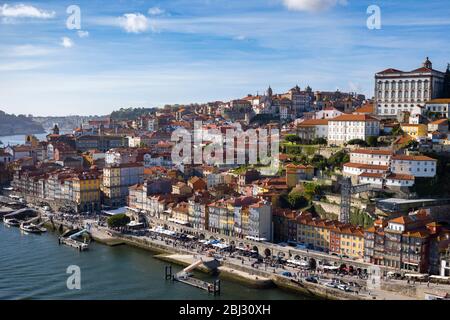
(319, 161)
(293, 138)
(372, 141)
(358, 142)
(320, 141)
(118, 220)
(296, 200)
(397, 131)
(338, 159)
(311, 190)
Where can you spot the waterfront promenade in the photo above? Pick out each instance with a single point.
(248, 270)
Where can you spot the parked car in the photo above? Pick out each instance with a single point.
(311, 279)
(286, 274)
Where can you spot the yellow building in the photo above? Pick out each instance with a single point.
(296, 173)
(330, 235)
(111, 184)
(415, 130)
(352, 242)
(87, 191)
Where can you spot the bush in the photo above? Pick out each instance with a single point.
(293, 138)
(372, 141)
(118, 220)
(358, 142)
(338, 159)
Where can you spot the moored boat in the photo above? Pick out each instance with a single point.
(11, 222)
(31, 228)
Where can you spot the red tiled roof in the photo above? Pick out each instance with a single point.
(354, 117)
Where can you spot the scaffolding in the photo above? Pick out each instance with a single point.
(347, 190)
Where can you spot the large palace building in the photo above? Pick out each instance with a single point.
(397, 91)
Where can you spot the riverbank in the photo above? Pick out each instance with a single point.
(232, 270)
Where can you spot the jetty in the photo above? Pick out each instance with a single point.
(185, 276)
(69, 239)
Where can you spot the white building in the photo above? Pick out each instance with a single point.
(260, 221)
(379, 157)
(328, 113)
(397, 91)
(347, 127)
(439, 106)
(379, 180)
(417, 166)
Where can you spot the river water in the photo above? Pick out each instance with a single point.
(34, 267)
(19, 139)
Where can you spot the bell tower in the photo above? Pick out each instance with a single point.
(427, 64)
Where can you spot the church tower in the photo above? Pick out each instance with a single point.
(447, 82)
(55, 129)
(427, 64)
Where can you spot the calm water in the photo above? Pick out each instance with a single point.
(19, 139)
(34, 267)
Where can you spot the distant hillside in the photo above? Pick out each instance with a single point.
(130, 113)
(11, 124)
(66, 123)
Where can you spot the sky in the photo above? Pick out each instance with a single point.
(136, 53)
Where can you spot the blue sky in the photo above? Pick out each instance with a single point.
(137, 53)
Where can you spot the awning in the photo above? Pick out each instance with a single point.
(122, 210)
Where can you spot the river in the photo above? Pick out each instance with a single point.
(34, 267)
(19, 139)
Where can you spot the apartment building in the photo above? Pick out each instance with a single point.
(347, 127)
(402, 243)
(117, 178)
(417, 166)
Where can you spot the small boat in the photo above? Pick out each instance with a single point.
(31, 228)
(11, 222)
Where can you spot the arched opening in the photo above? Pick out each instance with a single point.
(202, 236)
(212, 238)
(297, 257)
(255, 248)
(267, 252)
(312, 264)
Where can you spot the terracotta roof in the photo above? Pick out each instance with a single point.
(440, 121)
(365, 166)
(391, 70)
(395, 176)
(314, 122)
(354, 117)
(373, 151)
(412, 158)
(367, 108)
(439, 101)
(371, 175)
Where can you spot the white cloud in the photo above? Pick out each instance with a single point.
(240, 38)
(28, 50)
(66, 42)
(156, 11)
(83, 34)
(312, 5)
(24, 11)
(134, 22)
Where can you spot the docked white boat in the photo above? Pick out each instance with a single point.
(11, 222)
(31, 228)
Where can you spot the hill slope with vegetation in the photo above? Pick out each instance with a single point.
(11, 124)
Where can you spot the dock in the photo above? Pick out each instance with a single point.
(81, 246)
(186, 277)
(68, 238)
